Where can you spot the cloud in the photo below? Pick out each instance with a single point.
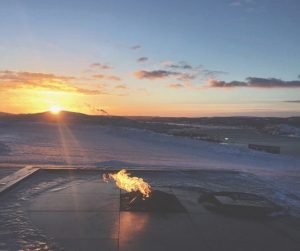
(181, 65)
(176, 86)
(88, 91)
(211, 74)
(186, 76)
(25, 76)
(180, 72)
(166, 62)
(45, 81)
(157, 74)
(239, 3)
(253, 82)
(100, 66)
(136, 47)
(162, 74)
(106, 76)
(142, 59)
(194, 71)
(292, 101)
(121, 87)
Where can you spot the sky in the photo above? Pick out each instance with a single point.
(151, 58)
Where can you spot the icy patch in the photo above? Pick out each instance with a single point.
(58, 189)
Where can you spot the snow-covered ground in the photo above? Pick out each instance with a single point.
(91, 145)
(284, 130)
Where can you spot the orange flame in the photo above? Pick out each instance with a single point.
(129, 184)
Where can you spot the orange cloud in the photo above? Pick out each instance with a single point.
(106, 76)
(121, 87)
(45, 81)
(100, 66)
(175, 86)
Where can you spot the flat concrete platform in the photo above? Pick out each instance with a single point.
(78, 211)
(7, 182)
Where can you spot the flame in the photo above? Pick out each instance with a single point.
(129, 184)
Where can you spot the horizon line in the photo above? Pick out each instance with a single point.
(159, 116)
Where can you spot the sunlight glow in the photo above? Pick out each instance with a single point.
(55, 109)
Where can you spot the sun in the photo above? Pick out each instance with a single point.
(55, 109)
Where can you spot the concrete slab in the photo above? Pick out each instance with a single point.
(78, 196)
(93, 187)
(216, 227)
(9, 181)
(78, 215)
(250, 246)
(149, 231)
(82, 213)
(88, 244)
(288, 226)
(77, 225)
(236, 233)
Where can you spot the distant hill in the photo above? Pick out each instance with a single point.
(240, 121)
(158, 124)
(4, 114)
(69, 117)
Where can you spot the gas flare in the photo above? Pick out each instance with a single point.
(129, 184)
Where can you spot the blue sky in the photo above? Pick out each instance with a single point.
(224, 42)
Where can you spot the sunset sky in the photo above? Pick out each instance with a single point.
(159, 57)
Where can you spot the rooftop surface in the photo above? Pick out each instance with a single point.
(76, 210)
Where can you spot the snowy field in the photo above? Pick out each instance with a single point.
(107, 146)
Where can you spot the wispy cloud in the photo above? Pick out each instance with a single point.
(176, 86)
(253, 82)
(181, 65)
(157, 74)
(190, 71)
(238, 3)
(142, 59)
(121, 87)
(211, 74)
(179, 74)
(136, 47)
(107, 76)
(186, 76)
(291, 101)
(26, 76)
(45, 81)
(100, 66)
